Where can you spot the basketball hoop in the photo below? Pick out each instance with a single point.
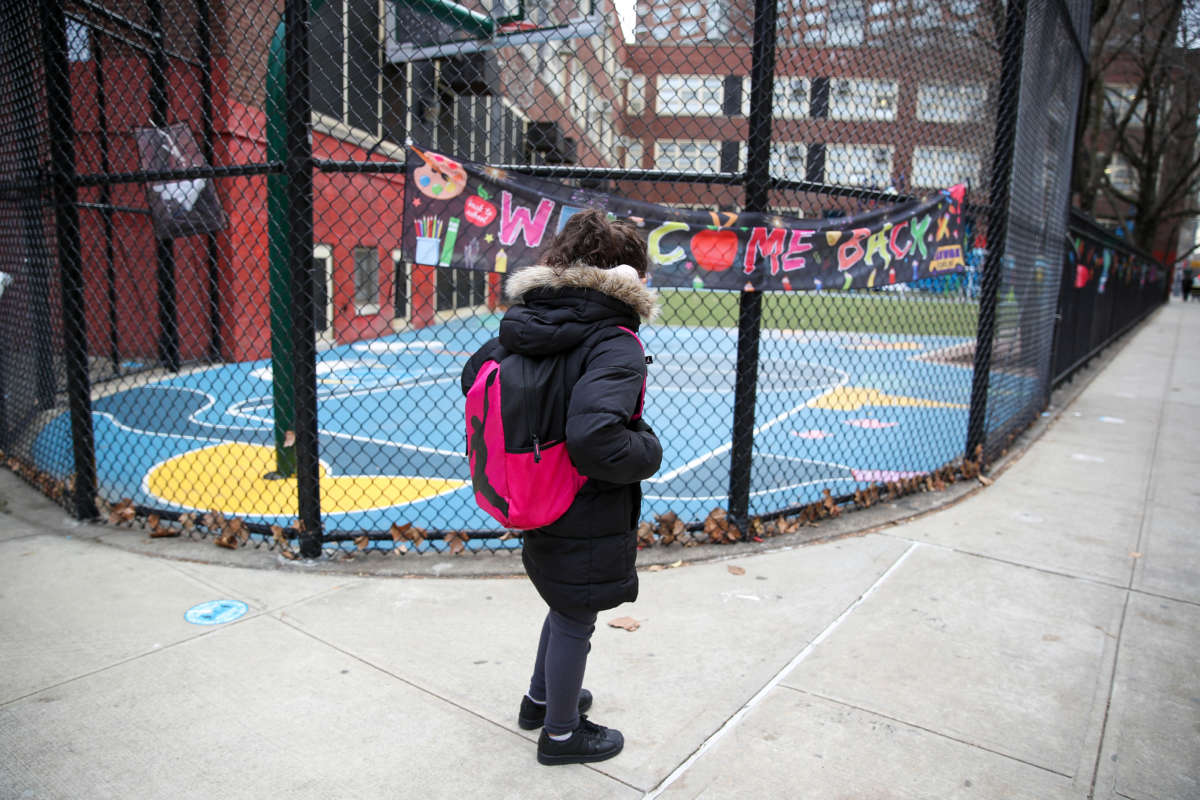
(516, 26)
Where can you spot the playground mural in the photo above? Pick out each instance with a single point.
(465, 215)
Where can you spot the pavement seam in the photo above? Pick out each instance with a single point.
(1149, 484)
(266, 612)
(775, 680)
(122, 662)
(1036, 568)
(435, 695)
(939, 734)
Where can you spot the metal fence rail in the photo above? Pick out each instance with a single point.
(214, 324)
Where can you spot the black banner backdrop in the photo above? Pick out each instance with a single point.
(466, 215)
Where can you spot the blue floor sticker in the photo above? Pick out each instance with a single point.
(215, 612)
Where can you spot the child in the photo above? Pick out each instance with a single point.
(583, 304)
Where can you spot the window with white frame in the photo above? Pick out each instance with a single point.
(79, 46)
(634, 152)
(366, 280)
(690, 95)
(864, 165)
(787, 160)
(1118, 100)
(845, 23)
(401, 285)
(1121, 174)
(791, 97)
(687, 154)
(552, 68)
(939, 167)
(951, 102)
(716, 20)
(322, 274)
(859, 98)
(635, 99)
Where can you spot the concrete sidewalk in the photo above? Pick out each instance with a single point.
(1037, 640)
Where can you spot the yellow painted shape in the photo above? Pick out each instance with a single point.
(229, 478)
(852, 398)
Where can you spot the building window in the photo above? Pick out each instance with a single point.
(716, 20)
(939, 167)
(697, 155)
(402, 284)
(346, 58)
(366, 280)
(460, 288)
(791, 97)
(1121, 174)
(634, 151)
(322, 274)
(636, 98)
(868, 166)
(845, 23)
(1118, 99)
(788, 160)
(79, 47)
(950, 102)
(690, 95)
(855, 98)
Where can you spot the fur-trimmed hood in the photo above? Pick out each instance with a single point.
(635, 294)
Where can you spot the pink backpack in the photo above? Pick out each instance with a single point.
(516, 440)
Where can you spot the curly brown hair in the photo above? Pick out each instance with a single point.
(591, 238)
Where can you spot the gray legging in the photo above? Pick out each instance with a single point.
(558, 671)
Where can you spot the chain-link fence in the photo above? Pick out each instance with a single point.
(216, 320)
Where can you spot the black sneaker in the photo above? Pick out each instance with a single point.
(588, 742)
(534, 716)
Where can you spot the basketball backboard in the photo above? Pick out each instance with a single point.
(426, 29)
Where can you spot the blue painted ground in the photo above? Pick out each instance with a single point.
(835, 411)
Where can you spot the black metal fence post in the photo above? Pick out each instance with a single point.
(758, 176)
(168, 311)
(70, 259)
(106, 211)
(299, 167)
(21, 33)
(208, 134)
(1007, 105)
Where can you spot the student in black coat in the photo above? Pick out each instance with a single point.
(584, 304)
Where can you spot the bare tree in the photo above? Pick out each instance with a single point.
(1136, 157)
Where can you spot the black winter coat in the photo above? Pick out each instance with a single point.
(585, 559)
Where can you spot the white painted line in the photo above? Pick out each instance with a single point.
(695, 462)
(732, 722)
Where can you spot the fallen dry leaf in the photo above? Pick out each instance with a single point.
(675, 564)
(407, 532)
(1135, 554)
(123, 511)
(628, 623)
(361, 542)
(289, 438)
(736, 570)
(986, 481)
(456, 541)
(655, 568)
(720, 527)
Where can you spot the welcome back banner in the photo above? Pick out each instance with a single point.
(465, 215)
